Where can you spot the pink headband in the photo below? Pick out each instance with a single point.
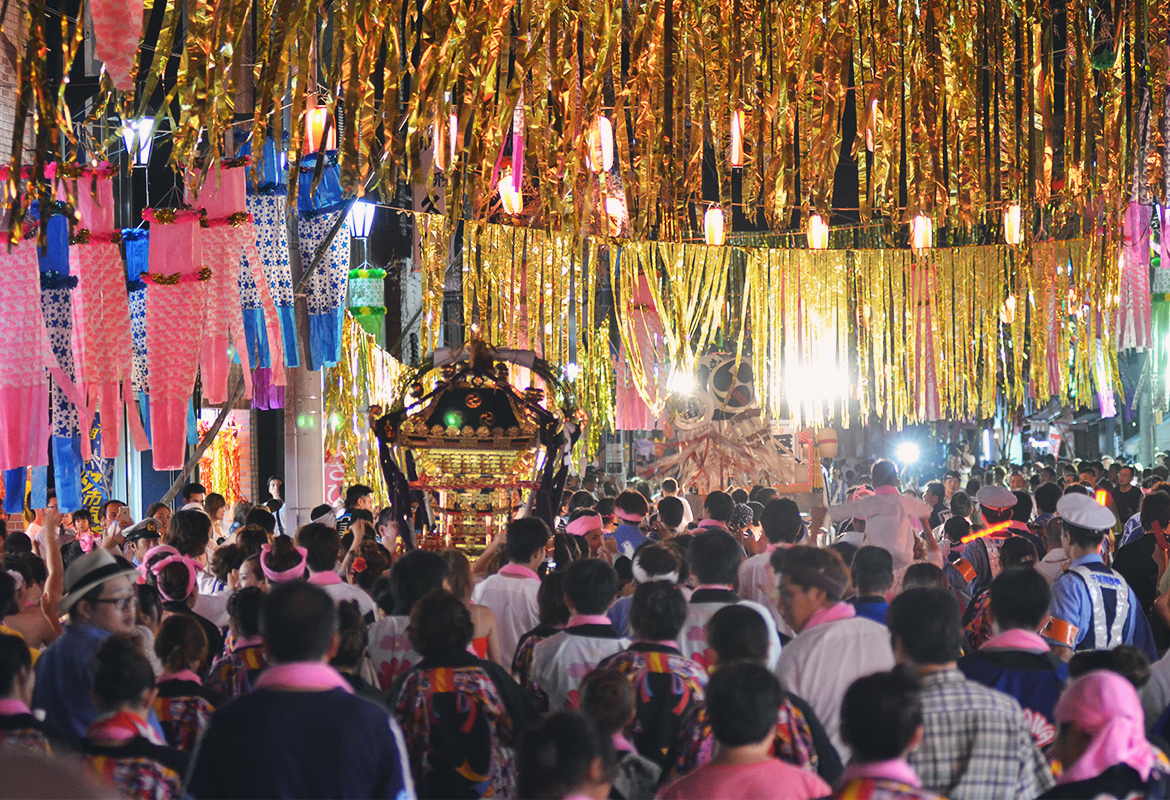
(290, 574)
(158, 548)
(175, 559)
(628, 516)
(1105, 706)
(583, 525)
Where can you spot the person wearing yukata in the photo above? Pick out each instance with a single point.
(1017, 660)
(1093, 608)
(562, 660)
(631, 508)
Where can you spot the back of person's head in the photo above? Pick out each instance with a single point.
(719, 506)
(658, 611)
(1077, 488)
(955, 528)
(994, 516)
(14, 657)
(122, 676)
(176, 581)
(1047, 496)
(458, 573)
(440, 624)
(781, 521)
(813, 568)
(1017, 551)
(669, 486)
(1019, 598)
(374, 561)
(738, 633)
(581, 499)
(17, 542)
(180, 643)
(1126, 660)
(1155, 508)
(743, 703)
(656, 562)
(322, 543)
(847, 551)
(189, 532)
(226, 560)
(550, 599)
(632, 503)
(764, 494)
(353, 638)
(250, 539)
(961, 504)
(297, 621)
(262, 518)
(739, 496)
(527, 536)
(560, 758)
(282, 558)
(926, 623)
(872, 571)
(355, 493)
(605, 506)
(924, 575)
(624, 567)
(1022, 510)
(243, 609)
(671, 512)
(715, 556)
(884, 472)
(607, 696)
(1083, 537)
(590, 585)
(881, 715)
(413, 575)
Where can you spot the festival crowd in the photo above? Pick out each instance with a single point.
(996, 635)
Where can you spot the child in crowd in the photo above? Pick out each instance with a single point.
(743, 702)
(236, 672)
(184, 706)
(121, 746)
(608, 697)
(569, 756)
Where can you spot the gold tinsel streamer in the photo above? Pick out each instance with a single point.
(366, 375)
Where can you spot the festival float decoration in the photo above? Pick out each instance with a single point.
(723, 438)
(477, 445)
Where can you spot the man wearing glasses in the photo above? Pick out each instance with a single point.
(101, 601)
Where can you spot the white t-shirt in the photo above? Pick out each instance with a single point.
(821, 663)
(560, 662)
(513, 601)
(889, 522)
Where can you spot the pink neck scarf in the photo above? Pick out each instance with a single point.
(1017, 639)
(589, 619)
(833, 613)
(886, 491)
(712, 523)
(519, 570)
(305, 676)
(727, 587)
(183, 675)
(893, 770)
(328, 578)
(658, 642)
(1105, 706)
(251, 641)
(10, 707)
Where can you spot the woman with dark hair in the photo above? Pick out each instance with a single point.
(184, 706)
(412, 576)
(176, 579)
(554, 616)
(18, 726)
(120, 746)
(486, 642)
(566, 757)
(461, 716)
(216, 507)
(351, 659)
(236, 672)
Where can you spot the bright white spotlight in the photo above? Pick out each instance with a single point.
(907, 452)
(681, 383)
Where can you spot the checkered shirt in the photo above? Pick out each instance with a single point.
(976, 745)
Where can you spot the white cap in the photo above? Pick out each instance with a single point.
(1085, 512)
(997, 497)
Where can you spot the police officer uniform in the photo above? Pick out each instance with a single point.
(1093, 607)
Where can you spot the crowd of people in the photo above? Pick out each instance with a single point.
(998, 639)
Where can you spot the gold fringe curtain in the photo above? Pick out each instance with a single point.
(366, 375)
(956, 102)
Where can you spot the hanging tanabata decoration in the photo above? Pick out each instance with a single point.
(318, 212)
(117, 28)
(174, 327)
(24, 387)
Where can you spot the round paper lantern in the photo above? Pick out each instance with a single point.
(827, 442)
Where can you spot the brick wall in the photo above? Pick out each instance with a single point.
(11, 44)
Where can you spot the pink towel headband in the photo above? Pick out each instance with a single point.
(143, 569)
(628, 516)
(584, 525)
(290, 574)
(191, 572)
